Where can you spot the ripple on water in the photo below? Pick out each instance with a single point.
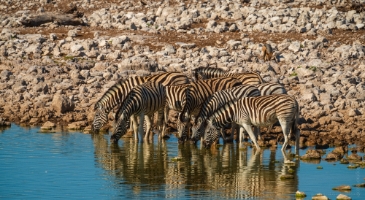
(76, 165)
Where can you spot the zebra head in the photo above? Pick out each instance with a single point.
(100, 118)
(182, 131)
(120, 128)
(198, 129)
(211, 134)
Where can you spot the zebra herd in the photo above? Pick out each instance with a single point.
(206, 105)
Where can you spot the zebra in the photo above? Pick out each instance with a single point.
(142, 100)
(220, 98)
(175, 100)
(116, 94)
(271, 88)
(217, 100)
(250, 78)
(257, 111)
(195, 94)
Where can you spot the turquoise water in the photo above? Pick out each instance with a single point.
(74, 165)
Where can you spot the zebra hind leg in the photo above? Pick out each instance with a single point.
(286, 126)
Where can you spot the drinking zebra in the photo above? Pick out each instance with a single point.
(142, 100)
(257, 111)
(220, 98)
(217, 100)
(195, 94)
(249, 78)
(116, 94)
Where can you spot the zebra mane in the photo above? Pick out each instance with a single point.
(107, 93)
(122, 108)
(206, 70)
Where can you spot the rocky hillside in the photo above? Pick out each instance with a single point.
(58, 57)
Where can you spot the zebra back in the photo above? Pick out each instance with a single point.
(147, 98)
(199, 91)
(261, 111)
(117, 93)
(249, 78)
(271, 88)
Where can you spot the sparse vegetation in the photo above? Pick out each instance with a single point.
(69, 57)
(293, 74)
(313, 68)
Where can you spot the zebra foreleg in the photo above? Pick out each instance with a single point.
(251, 133)
(140, 127)
(257, 132)
(135, 126)
(148, 127)
(234, 127)
(241, 135)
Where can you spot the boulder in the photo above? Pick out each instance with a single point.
(62, 104)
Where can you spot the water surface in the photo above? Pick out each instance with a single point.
(74, 165)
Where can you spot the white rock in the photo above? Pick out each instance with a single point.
(343, 197)
(77, 47)
(294, 46)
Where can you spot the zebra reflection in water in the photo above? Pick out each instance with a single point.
(227, 172)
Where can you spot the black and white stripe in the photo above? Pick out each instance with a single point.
(196, 94)
(249, 78)
(217, 100)
(115, 95)
(142, 100)
(257, 111)
(271, 88)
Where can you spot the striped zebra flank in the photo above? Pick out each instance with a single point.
(258, 112)
(249, 78)
(196, 94)
(142, 100)
(116, 94)
(217, 100)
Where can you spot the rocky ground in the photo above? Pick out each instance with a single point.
(58, 57)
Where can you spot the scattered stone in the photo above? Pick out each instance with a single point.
(48, 126)
(300, 194)
(355, 166)
(354, 156)
(359, 185)
(319, 196)
(311, 154)
(343, 197)
(342, 187)
(77, 125)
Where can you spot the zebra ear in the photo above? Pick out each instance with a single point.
(96, 106)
